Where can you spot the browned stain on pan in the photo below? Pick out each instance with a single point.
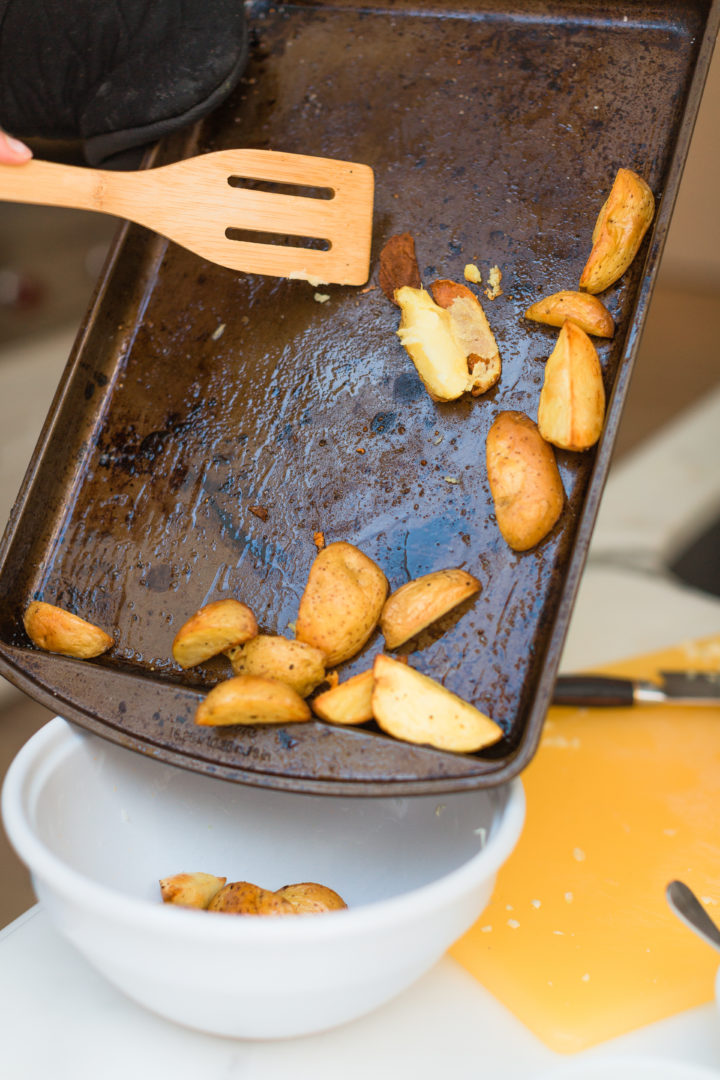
(195, 393)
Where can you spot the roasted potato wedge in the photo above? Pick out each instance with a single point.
(342, 601)
(349, 702)
(472, 331)
(427, 334)
(415, 708)
(586, 311)
(190, 890)
(524, 480)
(294, 663)
(59, 631)
(309, 898)
(213, 629)
(619, 231)
(571, 409)
(423, 601)
(249, 699)
(244, 898)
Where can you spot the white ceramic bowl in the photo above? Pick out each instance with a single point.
(98, 825)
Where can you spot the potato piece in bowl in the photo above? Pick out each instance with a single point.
(59, 631)
(619, 231)
(589, 313)
(212, 630)
(571, 409)
(190, 890)
(349, 702)
(415, 708)
(418, 603)
(524, 480)
(309, 898)
(472, 331)
(342, 601)
(244, 898)
(272, 656)
(250, 699)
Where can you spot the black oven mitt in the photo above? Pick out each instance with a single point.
(115, 74)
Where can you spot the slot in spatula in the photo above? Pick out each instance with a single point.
(311, 218)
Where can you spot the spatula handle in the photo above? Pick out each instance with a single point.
(51, 184)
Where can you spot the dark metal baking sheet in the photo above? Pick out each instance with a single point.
(494, 131)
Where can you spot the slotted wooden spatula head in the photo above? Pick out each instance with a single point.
(258, 211)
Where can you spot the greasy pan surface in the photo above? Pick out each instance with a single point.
(494, 135)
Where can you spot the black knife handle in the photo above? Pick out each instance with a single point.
(593, 690)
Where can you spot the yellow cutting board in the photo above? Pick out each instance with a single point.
(578, 941)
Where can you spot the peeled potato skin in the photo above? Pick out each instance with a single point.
(589, 313)
(349, 702)
(244, 898)
(524, 480)
(415, 708)
(190, 890)
(309, 898)
(422, 601)
(271, 656)
(619, 231)
(59, 631)
(250, 699)
(213, 629)
(341, 604)
(571, 409)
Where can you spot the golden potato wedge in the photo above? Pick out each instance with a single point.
(294, 663)
(59, 631)
(472, 331)
(309, 898)
(349, 702)
(571, 409)
(619, 230)
(427, 335)
(589, 313)
(213, 629)
(524, 480)
(415, 708)
(249, 699)
(244, 898)
(190, 890)
(423, 601)
(342, 601)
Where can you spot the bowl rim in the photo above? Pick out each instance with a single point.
(36, 760)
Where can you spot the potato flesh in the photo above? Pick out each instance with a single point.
(212, 630)
(426, 333)
(472, 332)
(423, 601)
(524, 480)
(589, 313)
(190, 890)
(619, 231)
(55, 630)
(272, 656)
(249, 699)
(349, 702)
(341, 604)
(571, 409)
(413, 707)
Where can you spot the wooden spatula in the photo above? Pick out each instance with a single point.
(313, 223)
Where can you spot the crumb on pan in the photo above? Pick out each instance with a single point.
(472, 273)
(259, 512)
(494, 278)
(319, 540)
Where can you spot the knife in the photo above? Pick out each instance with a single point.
(674, 687)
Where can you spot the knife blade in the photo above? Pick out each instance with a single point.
(672, 687)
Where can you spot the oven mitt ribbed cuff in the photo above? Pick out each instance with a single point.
(116, 74)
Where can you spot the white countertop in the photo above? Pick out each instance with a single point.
(58, 1017)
